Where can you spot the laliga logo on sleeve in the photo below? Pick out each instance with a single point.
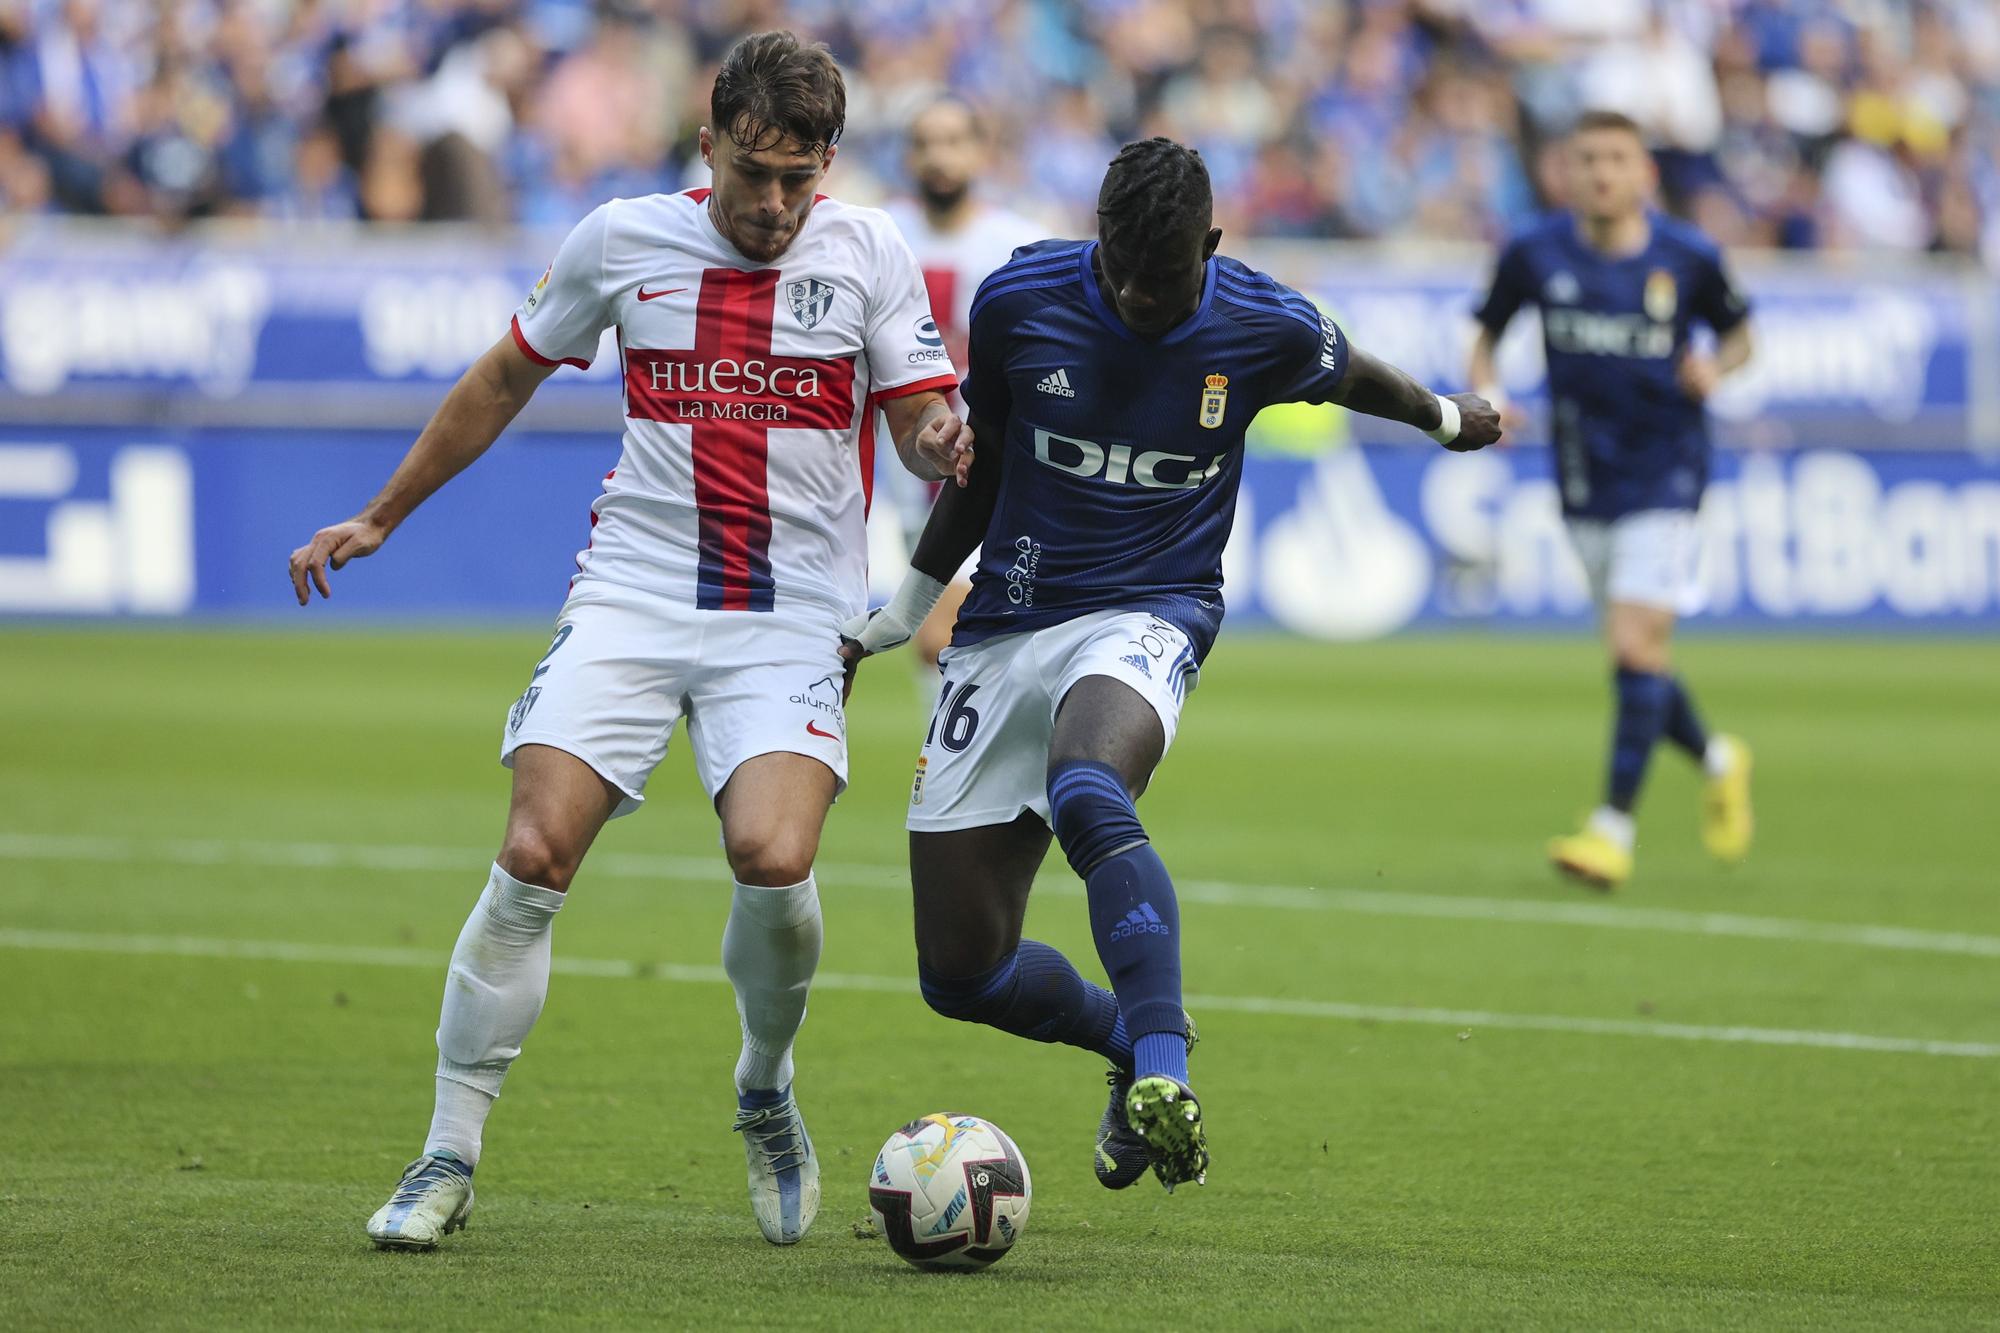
(1214, 400)
(810, 300)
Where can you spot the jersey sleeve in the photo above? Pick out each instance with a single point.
(985, 388)
(565, 315)
(1513, 284)
(1716, 298)
(905, 349)
(1317, 361)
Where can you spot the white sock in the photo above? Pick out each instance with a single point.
(1716, 759)
(1613, 824)
(493, 993)
(770, 949)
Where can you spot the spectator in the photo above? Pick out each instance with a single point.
(1798, 123)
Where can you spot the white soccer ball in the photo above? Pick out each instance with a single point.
(950, 1191)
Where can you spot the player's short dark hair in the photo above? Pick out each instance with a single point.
(773, 87)
(1602, 119)
(1155, 192)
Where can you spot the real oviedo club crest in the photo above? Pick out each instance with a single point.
(810, 299)
(1214, 400)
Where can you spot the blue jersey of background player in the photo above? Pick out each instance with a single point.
(1628, 434)
(1621, 288)
(1110, 387)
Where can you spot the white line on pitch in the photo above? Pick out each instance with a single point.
(641, 865)
(185, 946)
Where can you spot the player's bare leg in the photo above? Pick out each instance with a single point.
(1108, 740)
(496, 985)
(934, 636)
(773, 808)
(970, 890)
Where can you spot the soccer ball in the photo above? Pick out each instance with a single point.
(950, 1191)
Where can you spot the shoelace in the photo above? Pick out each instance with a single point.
(783, 1144)
(422, 1174)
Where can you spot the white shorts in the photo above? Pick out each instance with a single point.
(1651, 558)
(986, 757)
(627, 665)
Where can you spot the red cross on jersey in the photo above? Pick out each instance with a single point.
(749, 395)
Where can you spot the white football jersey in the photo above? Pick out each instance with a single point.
(750, 395)
(956, 262)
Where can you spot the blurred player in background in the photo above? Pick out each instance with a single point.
(1621, 288)
(958, 238)
(1112, 382)
(757, 322)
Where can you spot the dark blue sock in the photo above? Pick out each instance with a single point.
(1134, 914)
(1684, 727)
(1643, 703)
(1035, 993)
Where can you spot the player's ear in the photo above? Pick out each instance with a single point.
(707, 148)
(826, 162)
(1208, 246)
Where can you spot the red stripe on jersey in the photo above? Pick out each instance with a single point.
(521, 341)
(700, 196)
(865, 451)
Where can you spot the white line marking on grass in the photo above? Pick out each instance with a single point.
(1219, 893)
(187, 946)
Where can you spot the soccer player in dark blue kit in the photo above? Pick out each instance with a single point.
(1111, 383)
(1620, 288)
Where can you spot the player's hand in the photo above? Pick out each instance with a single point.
(1478, 423)
(1698, 375)
(873, 632)
(946, 444)
(334, 547)
(847, 676)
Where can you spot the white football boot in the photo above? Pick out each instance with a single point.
(431, 1201)
(784, 1170)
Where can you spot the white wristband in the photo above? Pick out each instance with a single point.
(896, 624)
(914, 597)
(1447, 427)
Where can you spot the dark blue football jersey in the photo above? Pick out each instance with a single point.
(1122, 454)
(1626, 438)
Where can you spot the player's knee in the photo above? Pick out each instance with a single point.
(971, 995)
(771, 856)
(1092, 813)
(530, 855)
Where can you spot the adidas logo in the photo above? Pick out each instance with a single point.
(1140, 663)
(1057, 383)
(1141, 920)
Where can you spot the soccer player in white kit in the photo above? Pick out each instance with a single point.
(959, 239)
(759, 325)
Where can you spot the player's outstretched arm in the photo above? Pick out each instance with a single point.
(930, 439)
(956, 526)
(1461, 422)
(478, 408)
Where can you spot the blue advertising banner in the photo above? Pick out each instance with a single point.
(345, 328)
(1356, 543)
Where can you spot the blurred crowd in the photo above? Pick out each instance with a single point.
(1851, 124)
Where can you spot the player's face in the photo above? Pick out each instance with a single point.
(1611, 173)
(761, 198)
(1155, 289)
(944, 153)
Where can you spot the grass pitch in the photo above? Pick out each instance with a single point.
(1443, 1089)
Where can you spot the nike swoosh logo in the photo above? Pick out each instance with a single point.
(645, 295)
(814, 730)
